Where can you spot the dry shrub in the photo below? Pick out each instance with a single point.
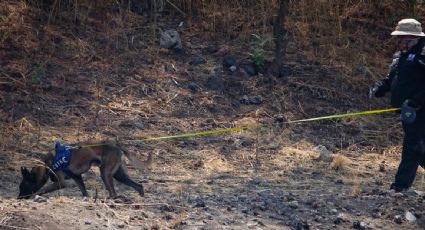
(340, 163)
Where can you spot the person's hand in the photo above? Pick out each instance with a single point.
(376, 90)
(412, 103)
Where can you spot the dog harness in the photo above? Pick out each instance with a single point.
(62, 158)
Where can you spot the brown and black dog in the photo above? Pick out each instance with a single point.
(106, 155)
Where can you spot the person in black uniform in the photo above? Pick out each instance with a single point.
(406, 82)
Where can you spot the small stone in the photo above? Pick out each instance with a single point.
(377, 215)
(410, 217)
(338, 220)
(334, 211)
(302, 225)
(264, 193)
(121, 225)
(256, 100)
(398, 219)
(233, 68)
(198, 60)
(250, 69)
(87, 222)
(170, 39)
(381, 167)
(293, 204)
(200, 204)
(359, 225)
(280, 118)
(321, 149)
(244, 100)
(339, 181)
(229, 61)
(193, 86)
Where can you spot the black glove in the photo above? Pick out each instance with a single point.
(412, 103)
(408, 111)
(377, 90)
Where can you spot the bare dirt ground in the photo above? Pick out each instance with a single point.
(92, 83)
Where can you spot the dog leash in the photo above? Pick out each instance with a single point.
(245, 127)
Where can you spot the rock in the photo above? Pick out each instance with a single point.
(193, 86)
(334, 211)
(250, 69)
(200, 204)
(339, 181)
(167, 208)
(359, 225)
(410, 217)
(293, 204)
(197, 61)
(170, 39)
(338, 220)
(217, 72)
(398, 219)
(229, 61)
(246, 143)
(302, 225)
(264, 193)
(280, 118)
(377, 215)
(325, 154)
(87, 222)
(254, 100)
(244, 100)
(381, 167)
(233, 68)
(321, 149)
(40, 199)
(215, 83)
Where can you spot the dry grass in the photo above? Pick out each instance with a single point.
(340, 163)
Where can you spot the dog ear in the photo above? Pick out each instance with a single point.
(25, 172)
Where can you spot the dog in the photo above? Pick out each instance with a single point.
(106, 155)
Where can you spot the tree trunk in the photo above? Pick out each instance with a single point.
(279, 34)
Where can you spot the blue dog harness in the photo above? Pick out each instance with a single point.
(62, 158)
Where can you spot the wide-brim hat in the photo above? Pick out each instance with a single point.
(408, 26)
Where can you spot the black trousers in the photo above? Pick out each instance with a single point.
(413, 153)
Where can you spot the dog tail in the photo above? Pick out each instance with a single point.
(141, 165)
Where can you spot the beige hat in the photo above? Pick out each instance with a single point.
(408, 26)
